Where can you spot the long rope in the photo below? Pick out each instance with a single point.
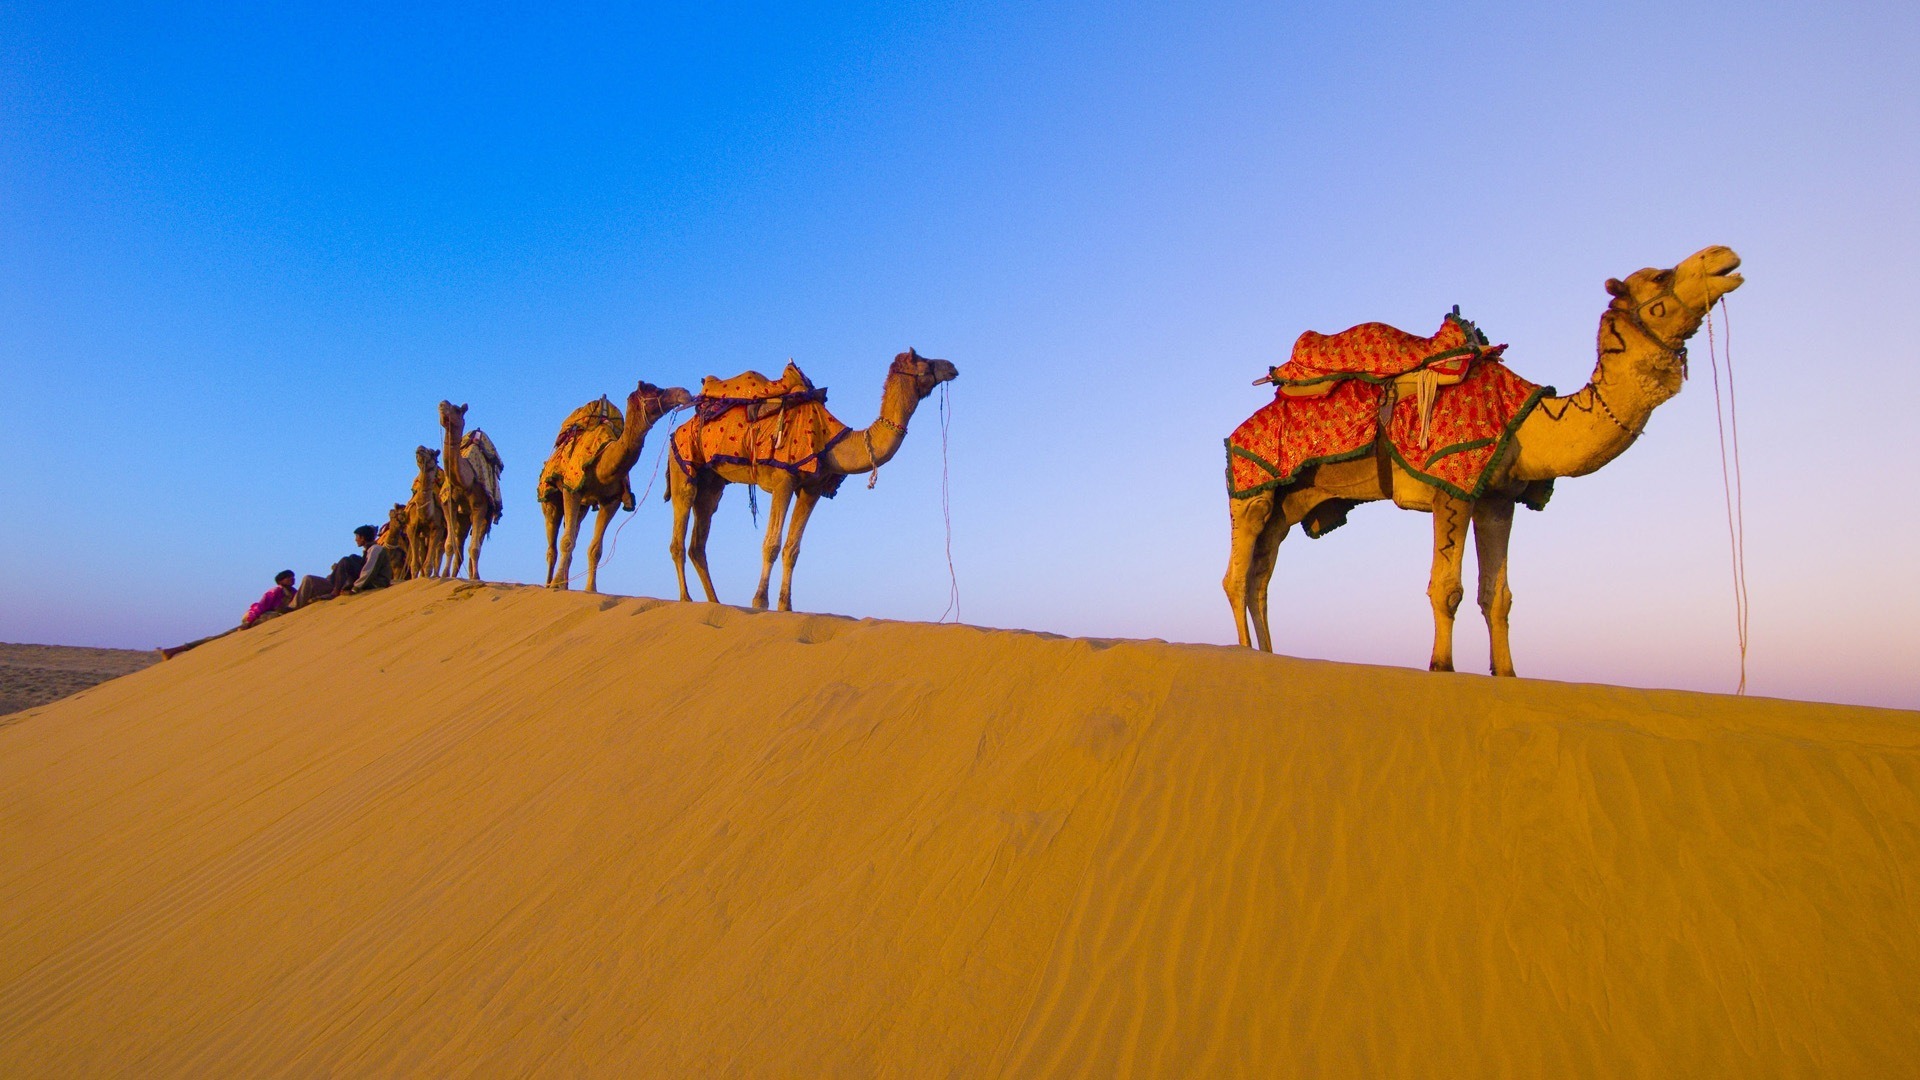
(946, 509)
(1732, 489)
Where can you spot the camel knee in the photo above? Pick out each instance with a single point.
(1496, 602)
(1446, 599)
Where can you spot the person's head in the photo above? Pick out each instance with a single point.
(364, 535)
(284, 579)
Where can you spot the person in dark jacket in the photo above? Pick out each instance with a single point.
(372, 569)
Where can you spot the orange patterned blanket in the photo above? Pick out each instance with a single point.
(1451, 443)
(785, 425)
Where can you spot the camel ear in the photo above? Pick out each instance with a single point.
(1616, 287)
(463, 410)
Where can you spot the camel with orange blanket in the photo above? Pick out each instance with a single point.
(589, 468)
(779, 437)
(1642, 362)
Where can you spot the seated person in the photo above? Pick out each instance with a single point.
(276, 602)
(373, 569)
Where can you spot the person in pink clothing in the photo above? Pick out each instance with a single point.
(275, 602)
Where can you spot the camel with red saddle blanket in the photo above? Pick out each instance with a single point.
(589, 469)
(777, 435)
(1440, 425)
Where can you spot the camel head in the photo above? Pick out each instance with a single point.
(426, 458)
(453, 417)
(1667, 307)
(1672, 303)
(656, 400)
(926, 374)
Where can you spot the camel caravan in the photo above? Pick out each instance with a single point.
(1437, 424)
(774, 435)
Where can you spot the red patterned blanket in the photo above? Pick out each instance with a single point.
(1451, 443)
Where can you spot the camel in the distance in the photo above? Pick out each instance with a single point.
(469, 489)
(589, 470)
(426, 518)
(910, 379)
(393, 536)
(1642, 362)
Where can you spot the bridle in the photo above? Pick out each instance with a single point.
(1677, 350)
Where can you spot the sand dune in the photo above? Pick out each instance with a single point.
(452, 830)
(37, 674)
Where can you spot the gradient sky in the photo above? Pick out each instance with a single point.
(244, 252)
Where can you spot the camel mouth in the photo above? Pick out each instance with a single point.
(1719, 262)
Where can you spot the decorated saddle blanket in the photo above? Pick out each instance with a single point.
(480, 467)
(584, 436)
(757, 394)
(778, 425)
(1378, 353)
(1447, 430)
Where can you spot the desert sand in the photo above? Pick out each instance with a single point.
(37, 674)
(454, 830)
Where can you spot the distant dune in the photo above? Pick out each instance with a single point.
(37, 674)
(451, 829)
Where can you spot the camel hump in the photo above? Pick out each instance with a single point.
(592, 414)
(753, 386)
(755, 392)
(1379, 351)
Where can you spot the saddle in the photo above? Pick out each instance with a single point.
(758, 395)
(1382, 354)
(592, 415)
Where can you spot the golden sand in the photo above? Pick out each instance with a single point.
(448, 830)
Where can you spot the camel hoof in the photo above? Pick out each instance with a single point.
(1439, 665)
(558, 586)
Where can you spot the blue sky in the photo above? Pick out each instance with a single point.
(243, 254)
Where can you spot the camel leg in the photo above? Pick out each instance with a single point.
(706, 500)
(450, 551)
(1249, 517)
(482, 522)
(803, 506)
(680, 490)
(552, 511)
(1450, 518)
(778, 501)
(1492, 524)
(1265, 550)
(571, 512)
(600, 518)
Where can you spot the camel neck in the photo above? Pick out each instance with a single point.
(1576, 434)
(867, 448)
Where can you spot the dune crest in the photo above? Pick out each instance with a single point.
(449, 828)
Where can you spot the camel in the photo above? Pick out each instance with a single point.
(393, 536)
(910, 379)
(469, 489)
(1642, 362)
(426, 538)
(602, 480)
